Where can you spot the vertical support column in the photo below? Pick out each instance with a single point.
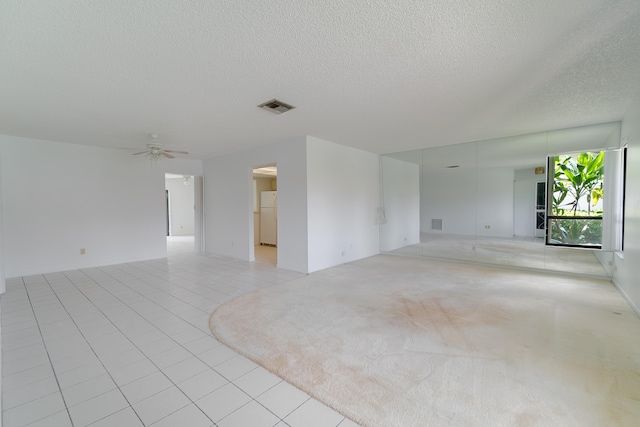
(2, 282)
(198, 225)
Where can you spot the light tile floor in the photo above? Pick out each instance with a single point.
(129, 345)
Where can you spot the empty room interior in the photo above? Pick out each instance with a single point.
(331, 214)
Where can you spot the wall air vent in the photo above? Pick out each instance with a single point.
(276, 106)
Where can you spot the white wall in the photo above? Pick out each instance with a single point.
(525, 181)
(627, 266)
(495, 202)
(59, 198)
(467, 199)
(327, 200)
(447, 192)
(450, 195)
(180, 166)
(611, 203)
(401, 196)
(229, 202)
(181, 206)
(343, 196)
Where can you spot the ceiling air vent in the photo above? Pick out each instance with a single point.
(276, 106)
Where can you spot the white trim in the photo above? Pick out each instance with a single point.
(626, 297)
(198, 225)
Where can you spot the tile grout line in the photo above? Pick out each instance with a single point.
(194, 355)
(98, 357)
(92, 350)
(147, 357)
(189, 287)
(44, 343)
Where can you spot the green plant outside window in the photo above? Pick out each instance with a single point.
(576, 212)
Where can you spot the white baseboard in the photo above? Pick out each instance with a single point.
(626, 297)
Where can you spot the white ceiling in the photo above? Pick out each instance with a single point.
(383, 76)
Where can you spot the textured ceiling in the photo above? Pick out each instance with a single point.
(383, 76)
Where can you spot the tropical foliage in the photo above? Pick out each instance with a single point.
(577, 189)
(581, 177)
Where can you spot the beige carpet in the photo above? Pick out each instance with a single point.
(395, 341)
(510, 252)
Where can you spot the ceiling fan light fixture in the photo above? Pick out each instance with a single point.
(154, 148)
(153, 157)
(155, 151)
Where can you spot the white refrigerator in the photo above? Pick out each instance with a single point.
(269, 218)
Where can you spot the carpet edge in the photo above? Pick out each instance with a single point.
(241, 352)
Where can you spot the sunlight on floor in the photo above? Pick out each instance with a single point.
(177, 245)
(514, 252)
(267, 254)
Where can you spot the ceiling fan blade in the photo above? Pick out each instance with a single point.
(167, 155)
(177, 152)
(142, 152)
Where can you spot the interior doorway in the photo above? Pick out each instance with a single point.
(184, 213)
(265, 213)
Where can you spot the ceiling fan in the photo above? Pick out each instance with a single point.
(155, 150)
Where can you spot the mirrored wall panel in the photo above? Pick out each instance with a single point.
(495, 201)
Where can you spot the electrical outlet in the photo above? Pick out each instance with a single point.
(83, 251)
(487, 227)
